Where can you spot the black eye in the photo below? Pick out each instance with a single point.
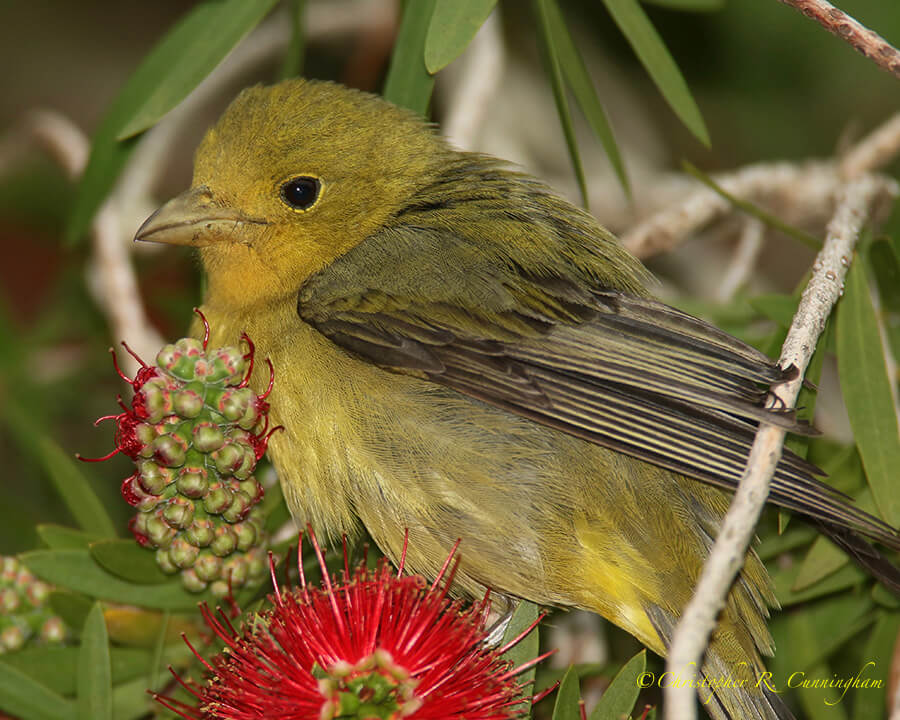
(300, 192)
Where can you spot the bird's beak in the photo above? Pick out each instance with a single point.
(194, 218)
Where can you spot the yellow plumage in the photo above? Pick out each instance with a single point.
(461, 353)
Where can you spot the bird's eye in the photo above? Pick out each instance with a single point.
(301, 192)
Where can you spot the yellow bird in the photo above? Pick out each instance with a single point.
(462, 353)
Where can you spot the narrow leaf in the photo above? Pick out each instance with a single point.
(67, 477)
(753, 210)
(655, 57)
(453, 25)
(822, 559)
(57, 667)
(867, 391)
(409, 84)
(76, 570)
(567, 697)
(688, 5)
(129, 561)
(292, 64)
(886, 265)
(58, 537)
(73, 608)
(94, 674)
(870, 701)
(784, 580)
(525, 615)
(551, 56)
(579, 79)
(21, 696)
(184, 56)
(618, 700)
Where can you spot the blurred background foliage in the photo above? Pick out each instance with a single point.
(770, 85)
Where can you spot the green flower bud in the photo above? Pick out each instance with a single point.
(157, 400)
(248, 461)
(187, 403)
(145, 433)
(159, 532)
(53, 630)
(208, 567)
(37, 592)
(240, 506)
(246, 535)
(228, 458)
(192, 347)
(12, 638)
(257, 564)
(179, 513)
(164, 562)
(225, 541)
(220, 589)
(217, 499)
(168, 356)
(153, 478)
(191, 582)
(233, 403)
(253, 489)
(182, 553)
(236, 570)
(192, 481)
(201, 532)
(9, 600)
(169, 449)
(250, 417)
(208, 437)
(226, 364)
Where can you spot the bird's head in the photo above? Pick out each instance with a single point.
(291, 177)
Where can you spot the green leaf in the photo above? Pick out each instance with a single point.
(58, 537)
(186, 55)
(579, 79)
(73, 608)
(409, 84)
(21, 696)
(71, 484)
(551, 57)
(868, 395)
(77, 571)
(870, 701)
(688, 5)
(158, 650)
(292, 63)
(568, 697)
(129, 561)
(883, 260)
(655, 57)
(618, 700)
(453, 25)
(777, 307)
(784, 580)
(57, 667)
(527, 649)
(178, 62)
(94, 674)
(753, 210)
(822, 559)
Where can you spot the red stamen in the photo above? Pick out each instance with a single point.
(133, 354)
(249, 358)
(110, 454)
(119, 372)
(271, 379)
(199, 312)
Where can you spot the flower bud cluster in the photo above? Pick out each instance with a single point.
(25, 615)
(195, 431)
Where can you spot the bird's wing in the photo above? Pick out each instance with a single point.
(623, 371)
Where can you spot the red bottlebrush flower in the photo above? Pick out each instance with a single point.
(374, 644)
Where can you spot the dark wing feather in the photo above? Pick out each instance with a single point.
(612, 367)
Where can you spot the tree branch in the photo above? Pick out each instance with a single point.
(728, 554)
(866, 42)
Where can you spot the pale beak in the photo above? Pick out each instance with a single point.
(194, 218)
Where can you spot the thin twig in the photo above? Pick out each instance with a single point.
(866, 42)
(744, 261)
(874, 151)
(729, 552)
